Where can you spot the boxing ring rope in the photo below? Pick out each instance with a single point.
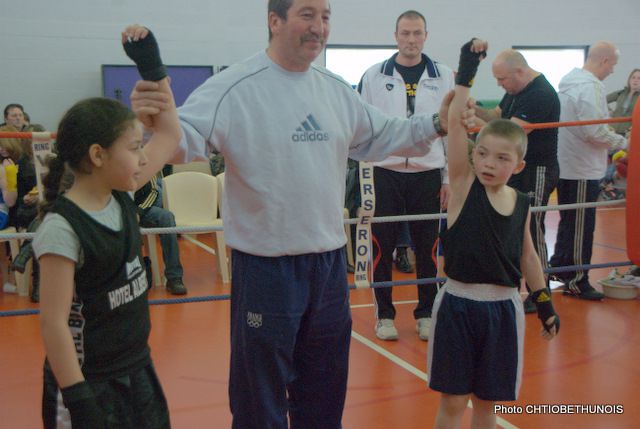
(352, 221)
(632, 226)
(541, 125)
(44, 135)
(225, 297)
(436, 216)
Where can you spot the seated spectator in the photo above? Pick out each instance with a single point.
(614, 184)
(14, 116)
(28, 126)
(27, 120)
(625, 99)
(153, 215)
(25, 210)
(9, 150)
(26, 250)
(26, 207)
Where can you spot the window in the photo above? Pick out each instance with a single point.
(554, 61)
(351, 61)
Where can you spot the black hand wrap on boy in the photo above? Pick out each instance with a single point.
(542, 300)
(146, 54)
(83, 407)
(468, 66)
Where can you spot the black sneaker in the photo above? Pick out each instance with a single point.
(402, 261)
(19, 263)
(529, 305)
(176, 287)
(587, 292)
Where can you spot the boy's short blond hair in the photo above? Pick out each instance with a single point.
(508, 130)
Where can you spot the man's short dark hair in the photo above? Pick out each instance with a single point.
(11, 106)
(280, 8)
(412, 14)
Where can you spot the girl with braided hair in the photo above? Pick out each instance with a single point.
(93, 288)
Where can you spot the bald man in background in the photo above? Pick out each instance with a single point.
(582, 156)
(529, 98)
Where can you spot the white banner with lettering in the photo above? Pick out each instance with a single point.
(364, 261)
(42, 144)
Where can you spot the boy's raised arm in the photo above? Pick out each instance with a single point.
(471, 54)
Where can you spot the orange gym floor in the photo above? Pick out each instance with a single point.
(593, 361)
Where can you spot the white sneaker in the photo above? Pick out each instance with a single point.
(617, 279)
(386, 330)
(9, 288)
(422, 327)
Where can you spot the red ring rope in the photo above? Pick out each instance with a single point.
(26, 135)
(543, 125)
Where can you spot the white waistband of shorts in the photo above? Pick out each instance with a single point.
(480, 291)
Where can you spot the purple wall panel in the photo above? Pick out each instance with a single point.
(119, 80)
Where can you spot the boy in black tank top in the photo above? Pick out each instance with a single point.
(478, 318)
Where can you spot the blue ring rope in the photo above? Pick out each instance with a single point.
(207, 298)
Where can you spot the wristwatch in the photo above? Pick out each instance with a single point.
(437, 125)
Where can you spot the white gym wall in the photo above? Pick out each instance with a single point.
(51, 51)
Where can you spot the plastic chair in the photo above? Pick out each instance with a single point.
(192, 197)
(200, 166)
(23, 282)
(149, 240)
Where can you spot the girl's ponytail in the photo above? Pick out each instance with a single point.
(52, 182)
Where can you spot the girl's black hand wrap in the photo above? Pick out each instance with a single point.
(83, 407)
(468, 66)
(542, 300)
(146, 54)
